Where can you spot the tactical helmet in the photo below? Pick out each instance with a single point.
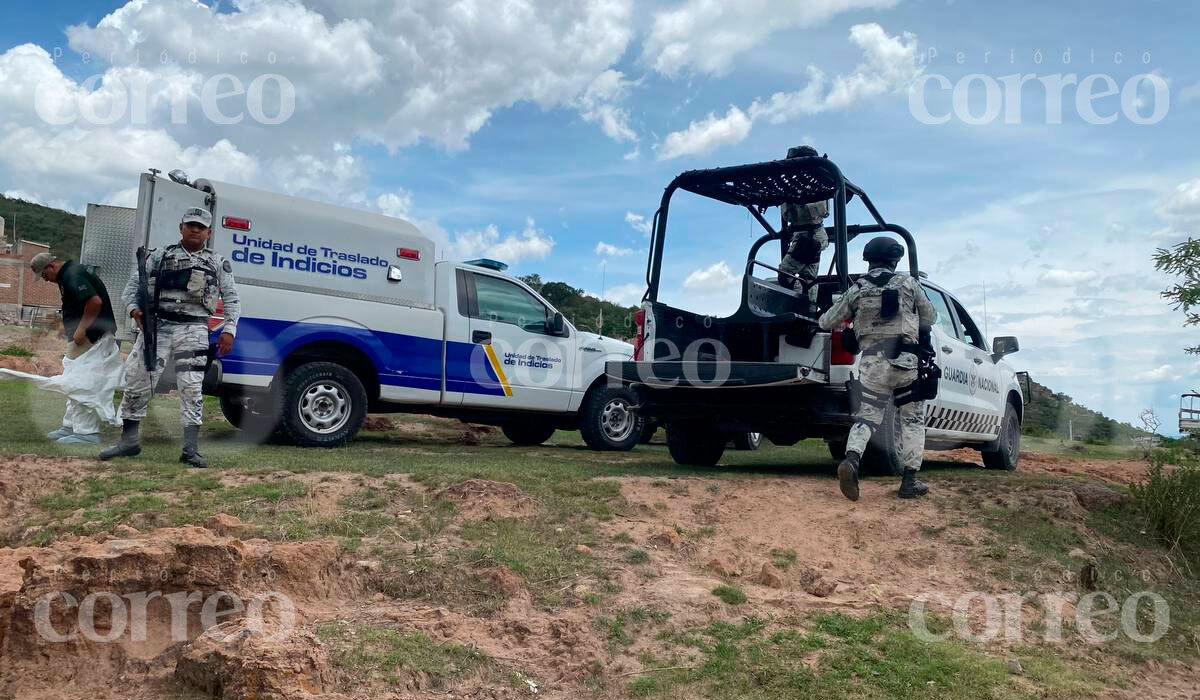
(883, 249)
(801, 151)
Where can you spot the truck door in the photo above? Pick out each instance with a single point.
(951, 410)
(983, 385)
(515, 361)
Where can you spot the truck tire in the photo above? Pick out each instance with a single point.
(695, 444)
(608, 421)
(1008, 445)
(527, 434)
(255, 417)
(837, 449)
(882, 457)
(324, 405)
(747, 441)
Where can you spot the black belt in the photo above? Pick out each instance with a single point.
(891, 348)
(180, 318)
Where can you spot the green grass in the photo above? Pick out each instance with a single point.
(16, 351)
(1054, 446)
(838, 656)
(731, 595)
(363, 653)
(783, 559)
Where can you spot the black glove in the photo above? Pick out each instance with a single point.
(850, 341)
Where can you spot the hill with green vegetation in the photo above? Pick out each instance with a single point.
(584, 311)
(1053, 414)
(62, 230)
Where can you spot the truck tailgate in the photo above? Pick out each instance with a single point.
(713, 374)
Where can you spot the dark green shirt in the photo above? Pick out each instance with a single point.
(77, 285)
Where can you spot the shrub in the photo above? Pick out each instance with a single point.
(1170, 501)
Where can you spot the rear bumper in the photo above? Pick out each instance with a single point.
(713, 375)
(761, 397)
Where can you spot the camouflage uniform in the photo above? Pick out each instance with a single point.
(805, 239)
(878, 372)
(189, 286)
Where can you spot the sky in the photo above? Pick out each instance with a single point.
(1039, 152)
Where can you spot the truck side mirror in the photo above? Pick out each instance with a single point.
(1004, 345)
(557, 325)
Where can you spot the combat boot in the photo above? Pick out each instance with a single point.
(910, 486)
(848, 474)
(128, 446)
(191, 455)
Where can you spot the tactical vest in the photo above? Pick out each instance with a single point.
(886, 310)
(183, 279)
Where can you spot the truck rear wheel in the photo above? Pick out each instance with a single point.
(527, 434)
(695, 444)
(747, 441)
(255, 416)
(882, 457)
(608, 421)
(324, 405)
(1008, 445)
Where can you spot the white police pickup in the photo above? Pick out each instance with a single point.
(768, 368)
(345, 312)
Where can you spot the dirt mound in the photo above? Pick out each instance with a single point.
(26, 478)
(379, 424)
(1117, 471)
(845, 555)
(232, 661)
(480, 499)
(86, 611)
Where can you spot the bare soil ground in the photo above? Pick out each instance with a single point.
(792, 545)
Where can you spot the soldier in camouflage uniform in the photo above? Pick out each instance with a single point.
(803, 237)
(186, 279)
(891, 315)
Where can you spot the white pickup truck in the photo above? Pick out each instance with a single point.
(768, 368)
(345, 312)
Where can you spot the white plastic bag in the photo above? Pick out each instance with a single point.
(89, 379)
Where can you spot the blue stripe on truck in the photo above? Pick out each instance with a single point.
(400, 360)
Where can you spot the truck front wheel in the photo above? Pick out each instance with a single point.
(527, 434)
(695, 444)
(1008, 446)
(324, 405)
(608, 421)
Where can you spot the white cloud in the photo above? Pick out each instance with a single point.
(625, 294)
(1190, 93)
(1057, 277)
(365, 72)
(633, 155)
(612, 251)
(1182, 205)
(531, 244)
(598, 104)
(1160, 373)
(890, 64)
(397, 204)
(713, 279)
(638, 223)
(706, 35)
(706, 134)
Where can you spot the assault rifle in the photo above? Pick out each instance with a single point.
(146, 305)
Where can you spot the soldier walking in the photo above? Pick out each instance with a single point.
(186, 279)
(892, 321)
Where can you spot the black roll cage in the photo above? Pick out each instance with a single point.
(760, 186)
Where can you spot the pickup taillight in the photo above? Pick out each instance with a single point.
(639, 340)
(839, 355)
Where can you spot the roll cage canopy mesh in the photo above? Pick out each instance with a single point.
(762, 185)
